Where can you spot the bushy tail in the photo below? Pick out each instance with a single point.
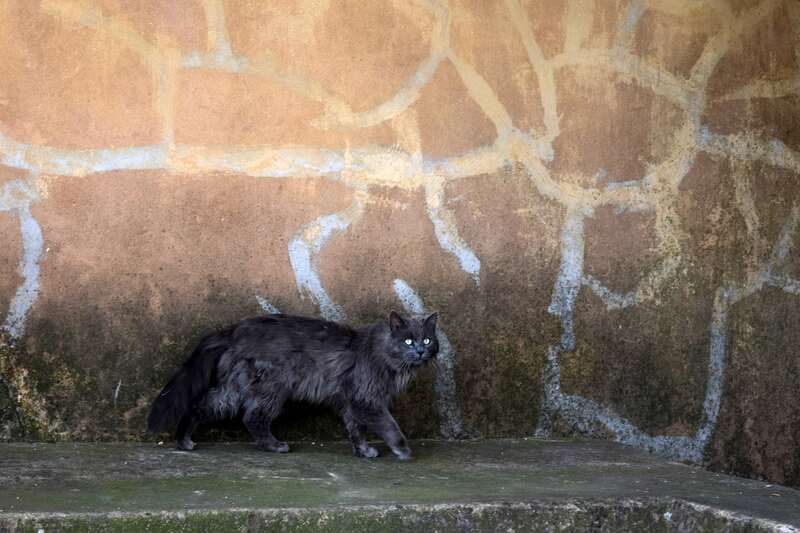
(192, 380)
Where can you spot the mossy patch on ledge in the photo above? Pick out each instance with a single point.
(516, 484)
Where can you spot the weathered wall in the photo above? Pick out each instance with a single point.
(601, 198)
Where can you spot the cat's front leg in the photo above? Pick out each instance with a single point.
(394, 438)
(357, 432)
(360, 446)
(384, 424)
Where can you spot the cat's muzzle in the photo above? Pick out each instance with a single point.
(419, 360)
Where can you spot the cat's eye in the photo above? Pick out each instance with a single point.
(426, 340)
(408, 341)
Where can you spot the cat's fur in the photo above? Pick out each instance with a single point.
(255, 366)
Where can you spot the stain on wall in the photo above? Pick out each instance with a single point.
(601, 198)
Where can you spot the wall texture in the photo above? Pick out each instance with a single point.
(601, 198)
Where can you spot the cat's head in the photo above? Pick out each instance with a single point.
(412, 341)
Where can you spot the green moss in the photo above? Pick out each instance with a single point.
(652, 516)
(24, 413)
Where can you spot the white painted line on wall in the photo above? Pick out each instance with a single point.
(266, 306)
(17, 196)
(304, 249)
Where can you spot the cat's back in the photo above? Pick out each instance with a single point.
(279, 333)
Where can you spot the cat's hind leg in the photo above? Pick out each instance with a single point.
(196, 415)
(215, 405)
(258, 417)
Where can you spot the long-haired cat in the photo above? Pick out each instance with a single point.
(255, 366)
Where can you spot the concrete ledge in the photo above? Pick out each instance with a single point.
(626, 515)
(509, 485)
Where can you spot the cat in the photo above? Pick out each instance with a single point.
(255, 366)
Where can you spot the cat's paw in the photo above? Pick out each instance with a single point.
(403, 455)
(276, 446)
(281, 447)
(368, 452)
(186, 444)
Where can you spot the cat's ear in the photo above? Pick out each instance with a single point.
(430, 322)
(396, 322)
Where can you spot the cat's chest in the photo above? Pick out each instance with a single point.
(400, 382)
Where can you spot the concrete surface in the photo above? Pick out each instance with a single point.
(448, 486)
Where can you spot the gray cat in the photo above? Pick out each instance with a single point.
(255, 366)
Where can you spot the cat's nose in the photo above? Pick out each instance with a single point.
(420, 351)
